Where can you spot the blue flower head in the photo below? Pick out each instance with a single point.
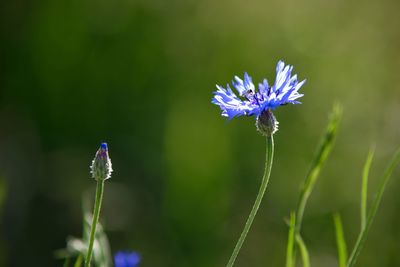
(259, 103)
(126, 259)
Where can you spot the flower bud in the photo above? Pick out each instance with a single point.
(101, 165)
(266, 123)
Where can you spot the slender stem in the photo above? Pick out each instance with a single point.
(340, 241)
(291, 239)
(303, 251)
(263, 187)
(362, 237)
(364, 188)
(96, 214)
(319, 160)
(78, 261)
(67, 261)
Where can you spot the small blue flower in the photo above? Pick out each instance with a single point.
(126, 259)
(259, 103)
(283, 91)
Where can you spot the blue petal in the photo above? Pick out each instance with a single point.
(286, 86)
(231, 105)
(282, 79)
(243, 86)
(263, 88)
(285, 90)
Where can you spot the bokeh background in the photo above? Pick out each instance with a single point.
(140, 75)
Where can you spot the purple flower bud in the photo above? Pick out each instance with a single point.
(101, 167)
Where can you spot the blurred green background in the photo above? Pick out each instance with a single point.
(140, 75)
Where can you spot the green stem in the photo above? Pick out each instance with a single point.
(96, 215)
(78, 261)
(319, 160)
(303, 251)
(362, 237)
(364, 188)
(291, 239)
(263, 187)
(67, 261)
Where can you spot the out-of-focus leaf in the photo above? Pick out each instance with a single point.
(319, 160)
(374, 208)
(340, 241)
(290, 243)
(78, 261)
(305, 257)
(364, 188)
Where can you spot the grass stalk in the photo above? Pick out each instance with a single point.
(290, 243)
(364, 187)
(340, 241)
(373, 210)
(305, 257)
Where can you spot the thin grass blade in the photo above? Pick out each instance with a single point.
(66, 262)
(305, 257)
(290, 243)
(374, 208)
(340, 241)
(319, 160)
(364, 187)
(79, 260)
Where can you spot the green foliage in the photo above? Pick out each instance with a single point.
(340, 241)
(374, 208)
(303, 251)
(77, 247)
(366, 220)
(364, 188)
(78, 261)
(290, 243)
(318, 162)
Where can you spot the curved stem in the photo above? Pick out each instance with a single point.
(263, 187)
(96, 215)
